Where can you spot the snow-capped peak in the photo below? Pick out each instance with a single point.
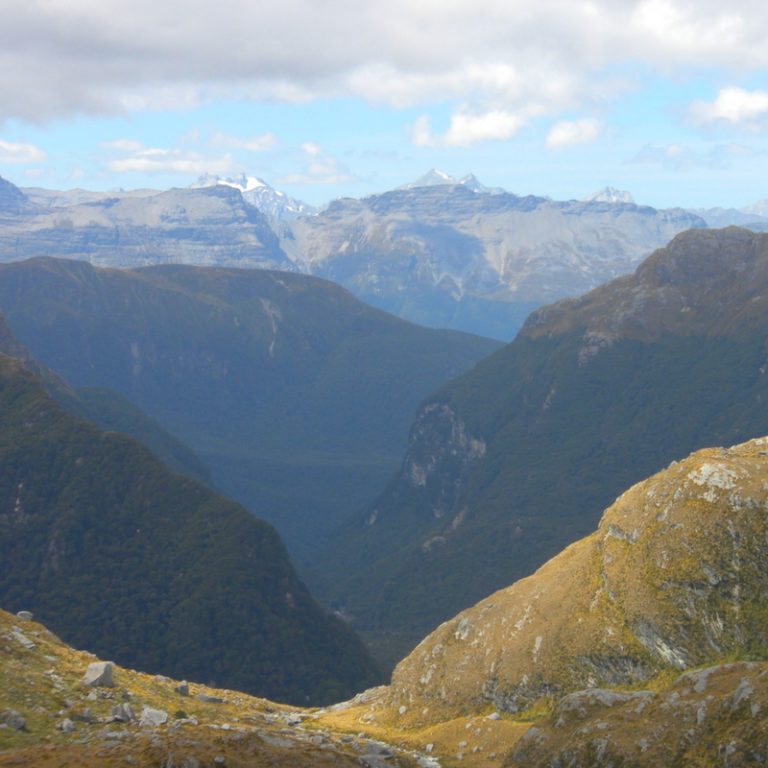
(242, 182)
(610, 195)
(271, 202)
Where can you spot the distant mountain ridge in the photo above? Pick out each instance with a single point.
(464, 259)
(513, 460)
(266, 376)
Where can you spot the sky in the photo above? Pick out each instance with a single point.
(667, 99)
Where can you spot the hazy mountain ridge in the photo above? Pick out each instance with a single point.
(151, 568)
(108, 410)
(266, 376)
(442, 252)
(273, 203)
(512, 461)
(211, 226)
(444, 248)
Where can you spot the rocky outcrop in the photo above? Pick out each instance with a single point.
(673, 578)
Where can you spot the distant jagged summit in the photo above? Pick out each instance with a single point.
(273, 203)
(437, 178)
(610, 195)
(12, 199)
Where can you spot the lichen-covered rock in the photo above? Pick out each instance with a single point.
(123, 713)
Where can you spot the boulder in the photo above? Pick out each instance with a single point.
(123, 713)
(182, 688)
(209, 699)
(66, 726)
(99, 673)
(25, 615)
(13, 719)
(153, 717)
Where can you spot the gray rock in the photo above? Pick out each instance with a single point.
(123, 713)
(66, 726)
(182, 688)
(153, 717)
(21, 638)
(209, 699)
(99, 673)
(13, 720)
(25, 615)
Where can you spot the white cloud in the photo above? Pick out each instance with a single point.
(495, 57)
(567, 133)
(466, 129)
(11, 152)
(732, 105)
(319, 168)
(138, 158)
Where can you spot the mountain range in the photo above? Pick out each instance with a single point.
(442, 252)
(513, 460)
(149, 567)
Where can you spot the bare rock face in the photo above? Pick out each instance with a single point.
(673, 578)
(99, 673)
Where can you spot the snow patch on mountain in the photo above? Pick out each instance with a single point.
(610, 195)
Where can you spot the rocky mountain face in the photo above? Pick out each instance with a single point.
(150, 568)
(446, 254)
(515, 459)
(619, 650)
(193, 226)
(267, 377)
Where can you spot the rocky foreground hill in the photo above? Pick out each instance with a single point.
(643, 644)
(59, 706)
